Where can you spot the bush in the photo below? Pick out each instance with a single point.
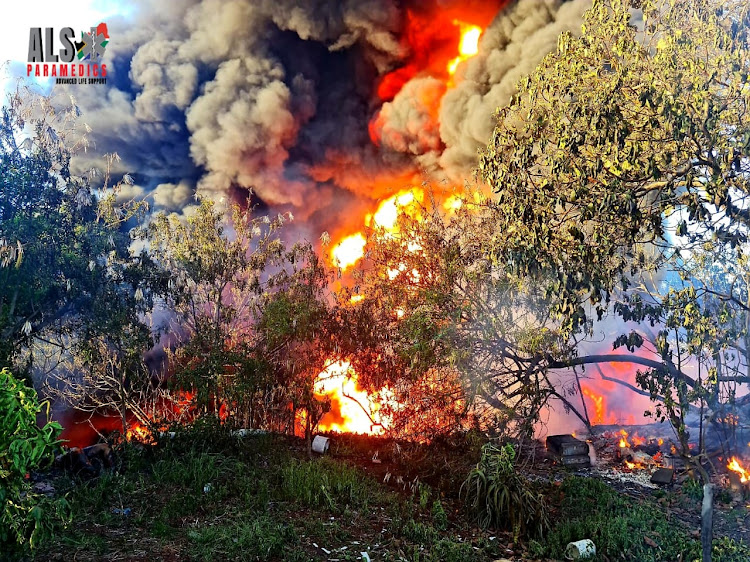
(26, 518)
(499, 497)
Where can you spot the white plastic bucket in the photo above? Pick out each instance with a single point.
(320, 444)
(580, 550)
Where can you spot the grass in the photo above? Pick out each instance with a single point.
(261, 538)
(324, 483)
(619, 525)
(268, 501)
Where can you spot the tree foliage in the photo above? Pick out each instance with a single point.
(69, 276)
(26, 517)
(620, 139)
(446, 328)
(248, 311)
(621, 169)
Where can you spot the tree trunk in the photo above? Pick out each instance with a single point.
(308, 434)
(707, 520)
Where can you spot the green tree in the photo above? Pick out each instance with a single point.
(247, 311)
(621, 169)
(69, 277)
(26, 517)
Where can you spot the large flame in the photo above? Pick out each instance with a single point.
(352, 409)
(349, 250)
(735, 466)
(438, 39)
(468, 46)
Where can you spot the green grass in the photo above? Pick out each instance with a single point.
(323, 483)
(618, 525)
(268, 501)
(261, 538)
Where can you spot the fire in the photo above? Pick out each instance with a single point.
(735, 466)
(353, 409)
(176, 406)
(468, 46)
(387, 213)
(599, 404)
(349, 251)
(434, 36)
(453, 203)
(139, 432)
(624, 439)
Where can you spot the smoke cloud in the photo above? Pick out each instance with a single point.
(316, 107)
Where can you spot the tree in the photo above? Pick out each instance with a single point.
(446, 329)
(69, 277)
(247, 310)
(621, 169)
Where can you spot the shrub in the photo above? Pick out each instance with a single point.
(26, 518)
(500, 497)
(439, 517)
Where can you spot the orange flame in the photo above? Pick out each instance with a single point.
(468, 46)
(735, 466)
(139, 432)
(599, 404)
(624, 439)
(353, 409)
(351, 249)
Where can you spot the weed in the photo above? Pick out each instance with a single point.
(193, 472)
(499, 496)
(419, 533)
(448, 550)
(439, 517)
(325, 483)
(424, 495)
(693, 489)
(728, 550)
(535, 549)
(258, 539)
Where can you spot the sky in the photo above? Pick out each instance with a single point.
(19, 16)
